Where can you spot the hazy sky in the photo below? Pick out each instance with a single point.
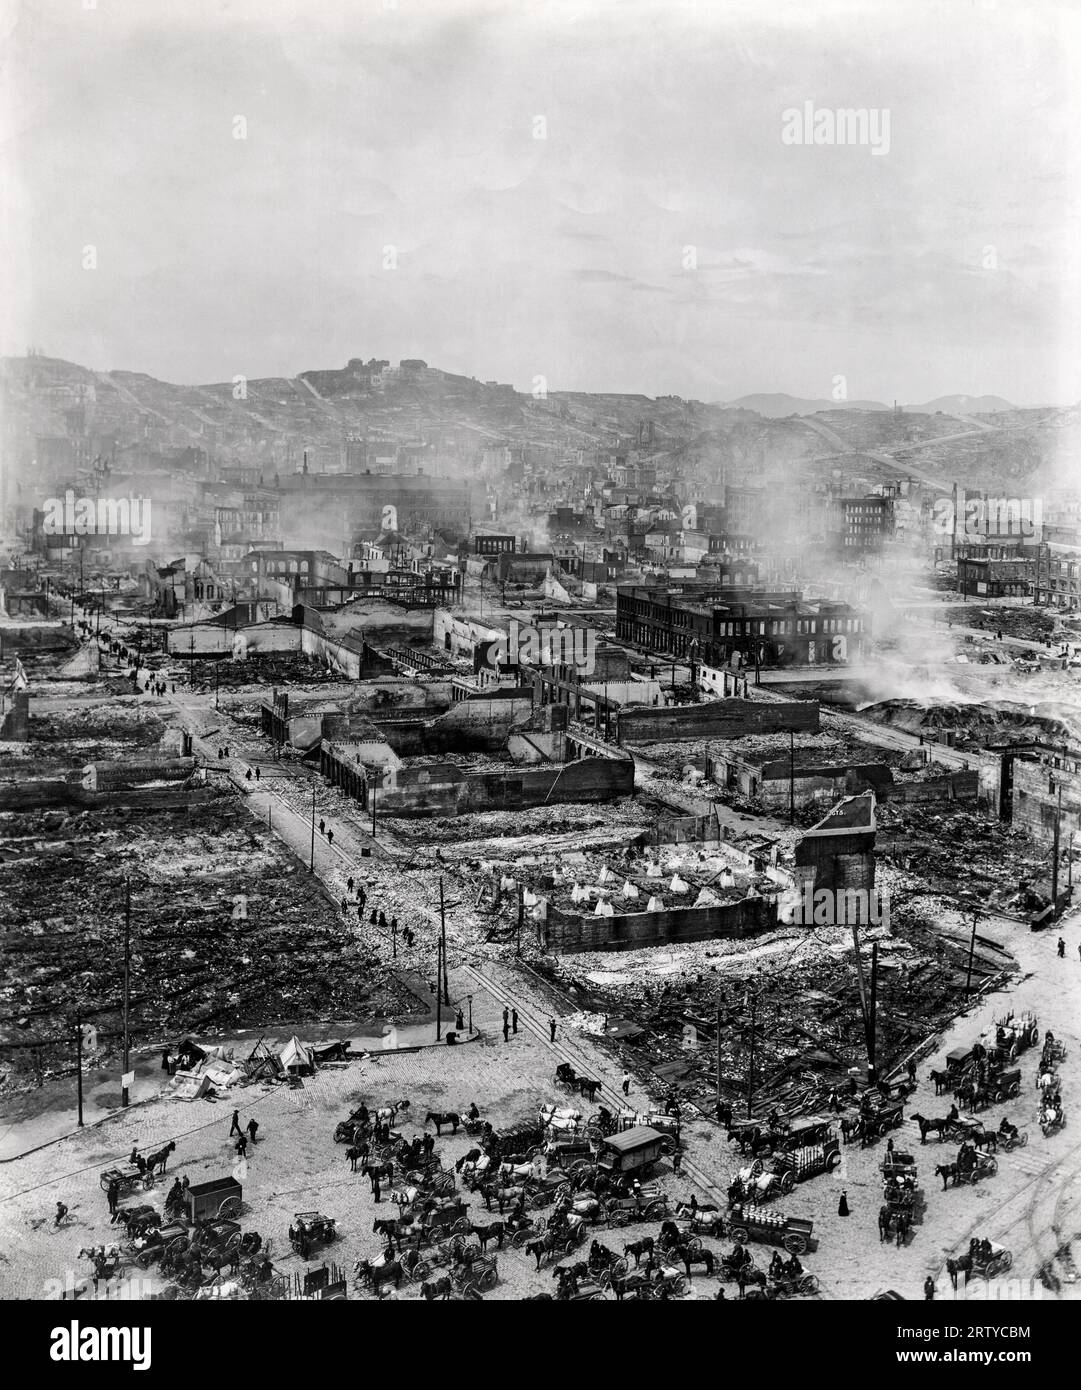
(949, 263)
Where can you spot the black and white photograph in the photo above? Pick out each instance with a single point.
(540, 672)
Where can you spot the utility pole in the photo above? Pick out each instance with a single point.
(521, 914)
(718, 1059)
(750, 1061)
(872, 1069)
(127, 986)
(374, 785)
(791, 777)
(443, 941)
(438, 991)
(311, 865)
(1054, 855)
(79, 1063)
(971, 953)
(394, 938)
(470, 998)
(217, 673)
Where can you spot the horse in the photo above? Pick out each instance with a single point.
(947, 1171)
(441, 1118)
(885, 1222)
(390, 1228)
(984, 1139)
(638, 1248)
(943, 1080)
(697, 1257)
(356, 1155)
(438, 1288)
(406, 1197)
(156, 1162)
(470, 1156)
(494, 1231)
(961, 1265)
(372, 1171)
(378, 1274)
(389, 1113)
(852, 1128)
(540, 1248)
(588, 1088)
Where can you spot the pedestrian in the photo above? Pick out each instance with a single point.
(912, 1069)
(552, 1028)
(884, 1219)
(514, 1020)
(165, 1059)
(235, 1127)
(383, 920)
(114, 1197)
(375, 917)
(889, 1146)
(61, 1212)
(459, 1022)
(322, 827)
(842, 1205)
(506, 1020)
(257, 774)
(349, 884)
(1061, 948)
(242, 1146)
(929, 1289)
(677, 1163)
(247, 775)
(375, 1188)
(741, 1280)
(626, 1083)
(506, 1031)
(330, 837)
(220, 755)
(394, 926)
(835, 1103)
(253, 1128)
(902, 1229)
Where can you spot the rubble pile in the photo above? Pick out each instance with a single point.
(258, 672)
(226, 931)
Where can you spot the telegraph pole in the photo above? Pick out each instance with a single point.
(311, 865)
(470, 998)
(521, 914)
(971, 952)
(79, 1063)
(438, 991)
(750, 1061)
(1054, 856)
(127, 987)
(791, 777)
(443, 942)
(718, 1059)
(373, 808)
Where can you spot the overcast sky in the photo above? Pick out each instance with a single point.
(662, 238)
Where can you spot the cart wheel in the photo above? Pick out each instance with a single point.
(668, 1145)
(518, 1239)
(420, 1272)
(1035, 1036)
(461, 1225)
(230, 1208)
(1015, 1089)
(487, 1279)
(619, 1270)
(795, 1245)
(694, 1243)
(570, 1246)
(833, 1161)
(992, 1166)
(808, 1284)
(788, 1181)
(1022, 1138)
(103, 1182)
(742, 1235)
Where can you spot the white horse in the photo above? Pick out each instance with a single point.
(554, 1112)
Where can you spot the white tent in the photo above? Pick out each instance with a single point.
(679, 885)
(654, 871)
(295, 1054)
(655, 905)
(629, 890)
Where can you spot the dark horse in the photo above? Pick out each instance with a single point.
(441, 1118)
(495, 1230)
(438, 1288)
(156, 1162)
(947, 1171)
(939, 1127)
(639, 1248)
(378, 1170)
(540, 1248)
(697, 1257)
(377, 1275)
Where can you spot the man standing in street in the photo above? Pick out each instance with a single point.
(929, 1289)
(626, 1083)
(506, 1026)
(552, 1028)
(253, 1128)
(235, 1127)
(1061, 948)
(114, 1197)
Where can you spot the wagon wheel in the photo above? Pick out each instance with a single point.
(1012, 1053)
(619, 1269)
(519, 1238)
(991, 1166)
(570, 1246)
(233, 1241)
(741, 1235)
(1035, 1038)
(1015, 1089)
(230, 1208)
(419, 1272)
(808, 1284)
(694, 1243)
(833, 1160)
(795, 1245)
(103, 1181)
(461, 1225)
(487, 1279)
(678, 1286)
(1022, 1138)
(668, 1145)
(788, 1181)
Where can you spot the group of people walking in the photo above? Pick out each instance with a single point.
(252, 1128)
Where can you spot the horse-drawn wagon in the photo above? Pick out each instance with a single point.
(793, 1232)
(311, 1228)
(634, 1150)
(809, 1132)
(1015, 1035)
(807, 1161)
(221, 1197)
(128, 1177)
(1005, 1085)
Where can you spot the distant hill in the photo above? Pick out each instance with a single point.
(961, 405)
(777, 405)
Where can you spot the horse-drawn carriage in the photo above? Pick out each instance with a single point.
(1052, 1117)
(989, 1259)
(969, 1166)
(755, 1137)
(221, 1198)
(650, 1119)
(311, 1228)
(755, 1184)
(805, 1162)
(900, 1183)
(128, 1177)
(1015, 1035)
(569, 1080)
(793, 1232)
(1004, 1086)
(809, 1132)
(649, 1204)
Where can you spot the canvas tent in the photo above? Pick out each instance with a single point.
(296, 1056)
